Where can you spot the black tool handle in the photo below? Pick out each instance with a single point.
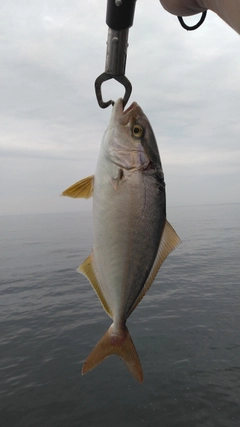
(120, 14)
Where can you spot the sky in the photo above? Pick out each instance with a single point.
(187, 83)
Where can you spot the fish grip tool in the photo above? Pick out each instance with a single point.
(119, 18)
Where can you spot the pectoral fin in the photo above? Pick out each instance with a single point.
(81, 189)
(169, 241)
(87, 268)
(117, 179)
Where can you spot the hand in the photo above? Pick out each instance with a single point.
(228, 10)
(182, 7)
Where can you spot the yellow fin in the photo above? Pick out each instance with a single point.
(119, 343)
(169, 241)
(87, 268)
(81, 189)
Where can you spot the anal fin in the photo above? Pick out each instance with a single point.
(89, 271)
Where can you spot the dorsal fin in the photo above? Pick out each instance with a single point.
(169, 241)
(81, 189)
(87, 268)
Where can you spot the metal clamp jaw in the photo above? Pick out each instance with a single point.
(120, 15)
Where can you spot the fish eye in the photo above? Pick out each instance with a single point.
(137, 131)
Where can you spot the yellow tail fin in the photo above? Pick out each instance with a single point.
(119, 343)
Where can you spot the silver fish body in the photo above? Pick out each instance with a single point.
(131, 234)
(129, 211)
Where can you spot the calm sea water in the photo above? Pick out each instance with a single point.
(186, 329)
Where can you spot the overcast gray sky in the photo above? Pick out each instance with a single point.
(187, 83)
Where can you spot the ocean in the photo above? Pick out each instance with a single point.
(186, 329)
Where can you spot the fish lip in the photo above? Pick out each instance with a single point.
(124, 117)
(130, 108)
(119, 108)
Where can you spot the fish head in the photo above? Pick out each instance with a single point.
(129, 139)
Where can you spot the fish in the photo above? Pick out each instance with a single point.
(131, 234)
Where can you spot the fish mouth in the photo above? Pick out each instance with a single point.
(124, 116)
(132, 107)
